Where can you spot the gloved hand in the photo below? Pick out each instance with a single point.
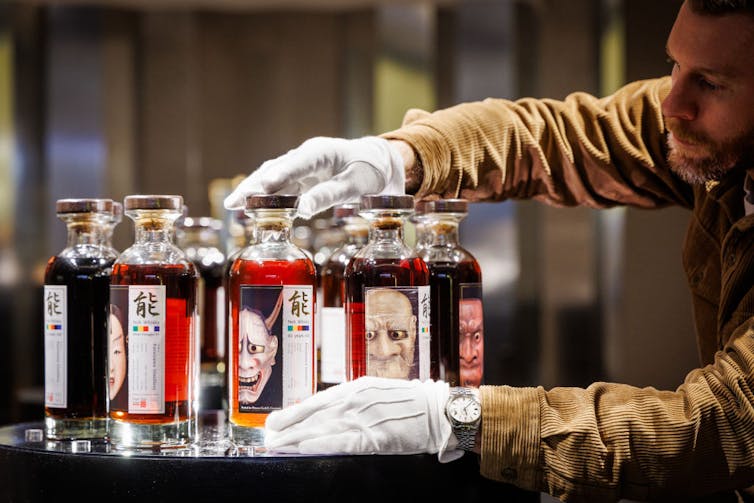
(370, 415)
(326, 172)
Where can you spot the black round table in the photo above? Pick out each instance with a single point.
(35, 469)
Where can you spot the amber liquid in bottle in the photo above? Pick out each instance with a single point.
(447, 280)
(370, 272)
(180, 300)
(88, 293)
(260, 273)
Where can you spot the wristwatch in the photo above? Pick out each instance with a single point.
(464, 411)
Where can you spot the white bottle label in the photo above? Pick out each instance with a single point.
(424, 335)
(298, 343)
(333, 353)
(146, 349)
(56, 345)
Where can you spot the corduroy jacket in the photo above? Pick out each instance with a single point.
(611, 441)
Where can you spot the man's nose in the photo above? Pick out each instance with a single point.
(680, 102)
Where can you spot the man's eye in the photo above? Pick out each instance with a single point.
(477, 336)
(706, 84)
(371, 334)
(398, 335)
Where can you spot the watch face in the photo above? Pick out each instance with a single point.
(464, 409)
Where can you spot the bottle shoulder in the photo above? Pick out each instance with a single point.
(451, 254)
(155, 254)
(272, 251)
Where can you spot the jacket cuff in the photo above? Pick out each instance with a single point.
(511, 435)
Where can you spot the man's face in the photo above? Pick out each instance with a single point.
(117, 360)
(471, 335)
(256, 356)
(710, 109)
(390, 333)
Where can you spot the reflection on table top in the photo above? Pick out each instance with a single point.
(33, 468)
(211, 441)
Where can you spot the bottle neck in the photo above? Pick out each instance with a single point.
(356, 235)
(386, 229)
(154, 230)
(272, 230)
(442, 233)
(86, 233)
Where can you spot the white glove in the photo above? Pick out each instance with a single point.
(371, 415)
(325, 172)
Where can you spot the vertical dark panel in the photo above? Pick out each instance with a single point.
(24, 327)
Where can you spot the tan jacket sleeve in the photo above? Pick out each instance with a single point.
(596, 152)
(612, 441)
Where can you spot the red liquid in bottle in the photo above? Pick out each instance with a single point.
(258, 273)
(368, 272)
(446, 280)
(180, 298)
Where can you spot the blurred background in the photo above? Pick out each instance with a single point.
(118, 97)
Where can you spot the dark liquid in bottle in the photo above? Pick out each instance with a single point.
(333, 284)
(180, 299)
(445, 281)
(361, 273)
(88, 291)
(267, 272)
(212, 348)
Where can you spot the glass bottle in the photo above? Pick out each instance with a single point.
(153, 312)
(199, 238)
(116, 218)
(272, 291)
(76, 298)
(387, 298)
(456, 289)
(332, 369)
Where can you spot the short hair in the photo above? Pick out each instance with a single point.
(720, 7)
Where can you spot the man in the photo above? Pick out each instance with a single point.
(390, 326)
(686, 140)
(471, 341)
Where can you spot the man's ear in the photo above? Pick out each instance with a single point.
(412, 328)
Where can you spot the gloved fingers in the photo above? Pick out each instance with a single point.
(279, 175)
(357, 179)
(236, 199)
(314, 427)
(321, 401)
(314, 161)
(347, 442)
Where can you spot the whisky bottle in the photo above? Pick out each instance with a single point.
(153, 332)
(76, 298)
(387, 298)
(272, 292)
(456, 291)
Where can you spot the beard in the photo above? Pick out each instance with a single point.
(709, 160)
